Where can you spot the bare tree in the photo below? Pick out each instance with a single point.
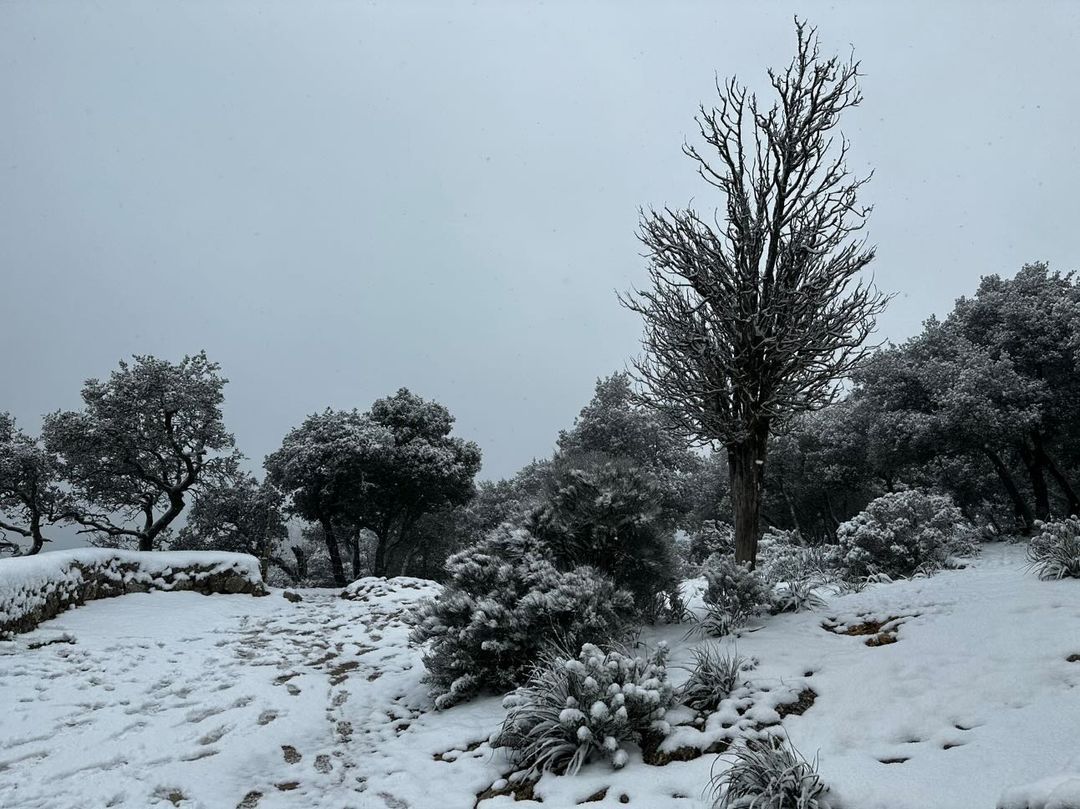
(755, 317)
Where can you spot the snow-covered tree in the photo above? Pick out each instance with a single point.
(754, 320)
(242, 516)
(147, 436)
(423, 468)
(321, 466)
(1032, 321)
(380, 471)
(29, 496)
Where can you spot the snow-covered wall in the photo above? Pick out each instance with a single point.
(36, 588)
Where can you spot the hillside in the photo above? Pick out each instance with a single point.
(179, 699)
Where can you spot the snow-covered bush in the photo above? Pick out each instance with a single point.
(786, 562)
(714, 676)
(1055, 552)
(574, 709)
(610, 515)
(769, 774)
(712, 538)
(503, 604)
(903, 533)
(733, 587)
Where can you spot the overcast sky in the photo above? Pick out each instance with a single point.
(339, 199)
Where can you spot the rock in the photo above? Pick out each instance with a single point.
(295, 598)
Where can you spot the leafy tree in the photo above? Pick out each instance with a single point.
(617, 426)
(753, 321)
(380, 471)
(321, 466)
(242, 516)
(29, 495)
(1032, 321)
(421, 469)
(146, 437)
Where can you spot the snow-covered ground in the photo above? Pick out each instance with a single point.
(179, 699)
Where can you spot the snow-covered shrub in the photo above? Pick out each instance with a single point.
(1055, 552)
(503, 604)
(610, 516)
(796, 562)
(574, 709)
(902, 533)
(712, 538)
(769, 774)
(714, 676)
(734, 587)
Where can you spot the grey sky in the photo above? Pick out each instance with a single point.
(339, 199)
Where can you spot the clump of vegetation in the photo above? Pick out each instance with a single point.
(713, 537)
(734, 587)
(904, 533)
(610, 515)
(1055, 552)
(504, 604)
(769, 774)
(796, 595)
(576, 708)
(715, 675)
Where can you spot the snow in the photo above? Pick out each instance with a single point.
(27, 582)
(181, 700)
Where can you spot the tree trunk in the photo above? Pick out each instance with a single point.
(301, 563)
(37, 540)
(335, 553)
(1059, 477)
(1020, 506)
(1034, 467)
(746, 464)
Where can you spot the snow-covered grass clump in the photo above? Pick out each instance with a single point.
(504, 604)
(713, 678)
(35, 588)
(576, 709)
(1055, 552)
(769, 774)
(904, 533)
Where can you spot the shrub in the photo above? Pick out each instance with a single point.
(503, 605)
(733, 587)
(610, 515)
(573, 709)
(769, 774)
(1055, 552)
(902, 533)
(783, 562)
(714, 676)
(712, 538)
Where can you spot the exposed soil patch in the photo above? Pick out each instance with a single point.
(897, 760)
(250, 801)
(287, 786)
(596, 796)
(652, 754)
(1073, 658)
(291, 754)
(880, 633)
(519, 792)
(801, 705)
